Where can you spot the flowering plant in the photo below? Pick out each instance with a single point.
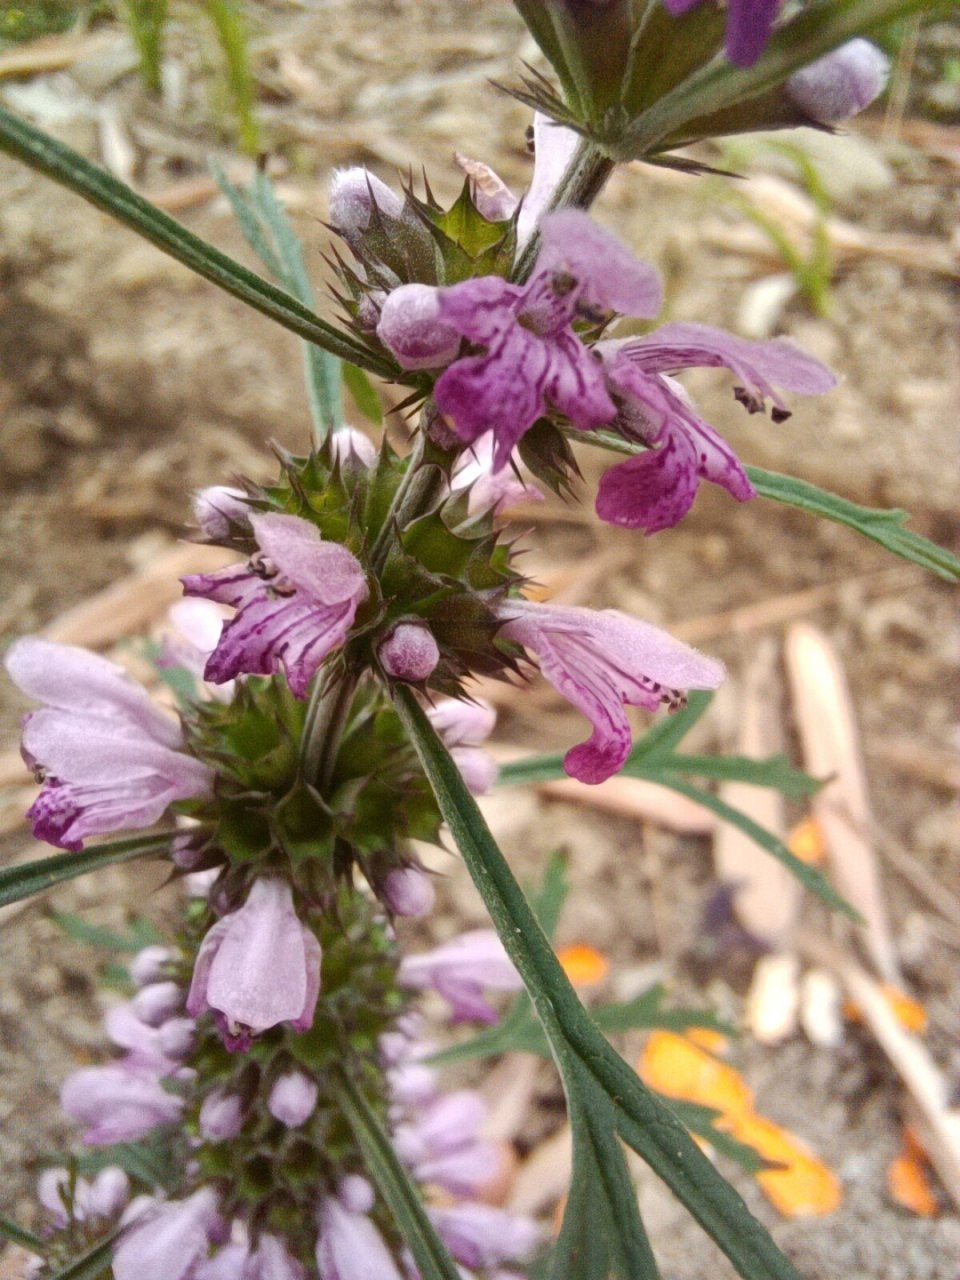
(275, 1049)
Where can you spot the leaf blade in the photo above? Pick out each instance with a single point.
(17, 883)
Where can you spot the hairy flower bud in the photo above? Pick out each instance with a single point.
(347, 444)
(219, 509)
(408, 891)
(842, 83)
(150, 965)
(354, 194)
(292, 1099)
(410, 325)
(409, 652)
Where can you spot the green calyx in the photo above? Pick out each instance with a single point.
(272, 1177)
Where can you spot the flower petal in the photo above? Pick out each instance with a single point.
(608, 272)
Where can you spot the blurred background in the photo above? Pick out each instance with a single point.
(125, 383)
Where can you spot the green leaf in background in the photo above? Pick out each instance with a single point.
(91, 1265)
(775, 772)
(17, 883)
(25, 1239)
(56, 160)
(588, 1064)
(268, 232)
(229, 21)
(393, 1182)
(883, 526)
(810, 877)
(141, 933)
(364, 394)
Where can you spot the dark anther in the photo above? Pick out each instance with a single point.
(528, 138)
(752, 403)
(262, 566)
(562, 283)
(780, 415)
(595, 315)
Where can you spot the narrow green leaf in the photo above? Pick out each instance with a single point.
(56, 160)
(810, 877)
(24, 881)
(702, 1120)
(883, 526)
(364, 394)
(775, 772)
(229, 20)
(141, 933)
(646, 1010)
(393, 1182)
(91, 1265)
(645, 1123)
(247, 220)
(16, 1235)
(602, 1236)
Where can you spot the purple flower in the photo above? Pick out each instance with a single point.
(461, 970)
(409, 652)
(195, 630)
(146, 1045)
(487, 489)
(150, 965)
(221, 511)
(443, 1145)
(749, 23)
(157, 1002)
(350, 1247)
(257, 967)
(463, 726)
(480, 1236)
(412, 326)
(292, 1099)
(110, 759)
(271, 1261)
(296, 601)
(117, 1104)
(602, 661)
(169, 1243)
(655, 489)
(104, 1197)
(533, 359)
(839, 85)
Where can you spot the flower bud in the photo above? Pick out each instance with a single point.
(411, 327)
(218, 509)
(348, 445)
(292, 1099)
(106, 1195)
(408, 891)
(354, 194)
(221, 1116)
(409, 652)
(150, 965)
(176, 1037)
(841, 83)
(157, 1002)
(356, 1194)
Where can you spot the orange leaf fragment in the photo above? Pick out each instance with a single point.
(806, 842)
(675, 1067)
(805, 1187)
(583, 964)
(706, 1038)
(908, 1179)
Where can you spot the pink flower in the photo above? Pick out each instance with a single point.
(103, 1197)
(443, 1144)
(602, 661)
(350, 1247)
(169, 1242)
(295, 601)
(292, 1099)
(842, 83)
(117, 1103)
(461, 970)
(408, 891)
(480, 1236)
(221, 1116)
(257, 967)
(110, 759)
(409, 652)
(463, 726)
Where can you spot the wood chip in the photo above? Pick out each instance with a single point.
(821, 1009)
(53, 53)
(773, 1001)
(767, 897)
(831, 749)
(545, 1175)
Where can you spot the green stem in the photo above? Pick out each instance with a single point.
(327, 710)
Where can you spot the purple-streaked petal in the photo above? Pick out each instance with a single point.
(652, 491)
(326, 571)
(481, 309)
(609, 274)
(414, 326)
(553, 148)
(575, 384)
(842, 83)
(602, 661)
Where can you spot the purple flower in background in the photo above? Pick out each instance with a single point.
(412, 326)
(292, 1098)
(408, 891)
(533, 359)
(479, 1235)
(110, 759)
(463, 726)
(842, 83)
(103, 1197)
(443, 1144)
(489, 490)
(195, 630)
(295, 600)
(350, 1247)
(221, 1115)
(461, 971)
(271, 1261)
(655, 489)
(221, 511)
(602, 661)
(168, 1243)
(749, 23)
(355, 195)
(257, 967)
(117, 1104)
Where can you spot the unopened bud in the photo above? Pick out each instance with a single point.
(409, 652)
(356, 1194)
(347, 445)
(157, 1002)
(411, 327)
(842, 83)
(354, 194)
(150, 965)
(292, 1099)
(219, 509)
(408, 891)
(176, 1037)
(477, 767)
(221, 1116)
